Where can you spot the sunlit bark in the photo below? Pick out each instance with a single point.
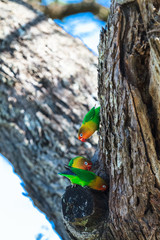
(47, 83)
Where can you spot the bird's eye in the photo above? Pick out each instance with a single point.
(103, 186)
(81, 135)
(85, 163)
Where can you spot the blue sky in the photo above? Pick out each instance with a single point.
(84, 26)
(19, 219)
(105, 3)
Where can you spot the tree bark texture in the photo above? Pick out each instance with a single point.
(47, 83)
(129, 93)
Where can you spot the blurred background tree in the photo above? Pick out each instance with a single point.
(60, 9)
(48, 80)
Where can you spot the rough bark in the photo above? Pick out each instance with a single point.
(47, 84)
(129, 80)
(129, 93)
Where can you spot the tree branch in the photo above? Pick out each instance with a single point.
(58, 10)
(55, 10)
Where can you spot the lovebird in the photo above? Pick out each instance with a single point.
(85, 178)
(81, 163)
(90, 124)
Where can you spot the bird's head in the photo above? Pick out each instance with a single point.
(84, 133)
(81, 137)
(103, 187)
(87, 165)
(100, 184)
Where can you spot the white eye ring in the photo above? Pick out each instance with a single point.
(81, 135)
(85, 163)
(103, 186)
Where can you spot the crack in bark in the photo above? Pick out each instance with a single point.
(132, 44)
(139, 124)
(123, 66)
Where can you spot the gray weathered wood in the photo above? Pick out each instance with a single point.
(129, 80)
(129, 93)
(47, 83)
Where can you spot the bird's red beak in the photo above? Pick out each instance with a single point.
(104, 188)
(89, 167)
(81, 139)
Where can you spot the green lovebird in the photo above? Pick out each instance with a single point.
(90, 124)
(81, 163)
(85, 178)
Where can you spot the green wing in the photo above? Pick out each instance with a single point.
(71, 176)
(89, 116)
(97, 111)
(78, 176)
(83, 174)
(93, 113)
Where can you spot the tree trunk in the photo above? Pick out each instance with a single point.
(47, 83)
(129, 93)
